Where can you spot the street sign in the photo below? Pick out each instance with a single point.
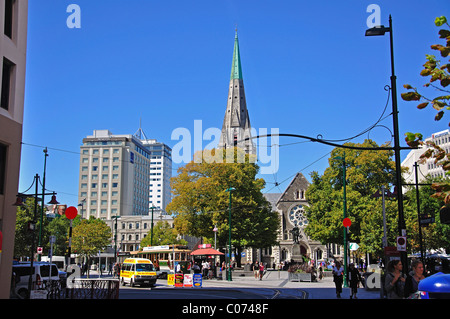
(354, 246)
(401, 243)
(425, 220)
(39, 250)
(71, 212)
(347, 222)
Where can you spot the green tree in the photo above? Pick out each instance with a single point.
(59, 227)
(439, 77)
(438, 74)
(163, 234)
(366, 172)
(436, 235)
(23, 235)
(89, 237)
(200, 201)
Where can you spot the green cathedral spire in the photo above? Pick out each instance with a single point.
(236, 69)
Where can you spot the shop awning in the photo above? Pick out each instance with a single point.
(206, 252)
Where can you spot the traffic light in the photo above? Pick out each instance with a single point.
(444, 215)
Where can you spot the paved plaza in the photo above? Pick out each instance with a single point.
(322, 289)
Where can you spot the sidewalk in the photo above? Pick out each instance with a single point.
(323, 289)
(276, 280)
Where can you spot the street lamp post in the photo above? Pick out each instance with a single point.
(43, 195)
(215, 236)
(229, 233)
(82, 207)
(151, 232)
(19, 202)
(375, 31)
(344, 177)
(115, 238)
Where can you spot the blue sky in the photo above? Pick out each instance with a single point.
(308, 69)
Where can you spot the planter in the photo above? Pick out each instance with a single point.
(300, 276)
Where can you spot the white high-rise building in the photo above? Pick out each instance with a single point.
(117, 173)
(442, 139)
(160, 173)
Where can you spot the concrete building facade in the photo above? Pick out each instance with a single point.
(119, 172)
(13, 48)
(442, 139)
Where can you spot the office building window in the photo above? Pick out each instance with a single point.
(7, 76)
(9, 17)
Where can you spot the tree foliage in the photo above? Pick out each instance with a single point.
(366, 172)
(201, 201)
(90, 236)
(435, 235)
(163, 234)
(23, 235)
(439, 79)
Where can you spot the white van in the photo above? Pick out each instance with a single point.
(137, 271)
(59, 261)
(41, 274)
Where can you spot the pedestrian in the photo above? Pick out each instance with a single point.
(320, 273)
(110, 268)
(394, 283)
(338, 278)
(256, 269)
(261, 270)
(413, 279)
(355, 278)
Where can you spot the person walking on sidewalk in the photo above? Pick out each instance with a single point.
(354, 278)
(256, 269)
(261, 270)
(338, 278)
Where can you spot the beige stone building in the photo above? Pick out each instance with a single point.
(13, 48)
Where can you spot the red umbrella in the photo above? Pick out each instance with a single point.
(206, 251)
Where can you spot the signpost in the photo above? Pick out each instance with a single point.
(401, 243)
(71, 213)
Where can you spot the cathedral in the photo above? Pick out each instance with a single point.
(293, 242)
(236, 123)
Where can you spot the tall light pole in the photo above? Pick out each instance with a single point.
(229, 233)
(344, 177)
(381, 30)
(151, 232)
(115, 237)
(43, 196)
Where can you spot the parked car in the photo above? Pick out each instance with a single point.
(41, 274)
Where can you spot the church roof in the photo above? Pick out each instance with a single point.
(272, 198)
(236, 68)
(288, 194)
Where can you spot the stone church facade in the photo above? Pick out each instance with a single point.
(290, 205)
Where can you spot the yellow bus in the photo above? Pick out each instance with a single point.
(138, 271)
(164, 257)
